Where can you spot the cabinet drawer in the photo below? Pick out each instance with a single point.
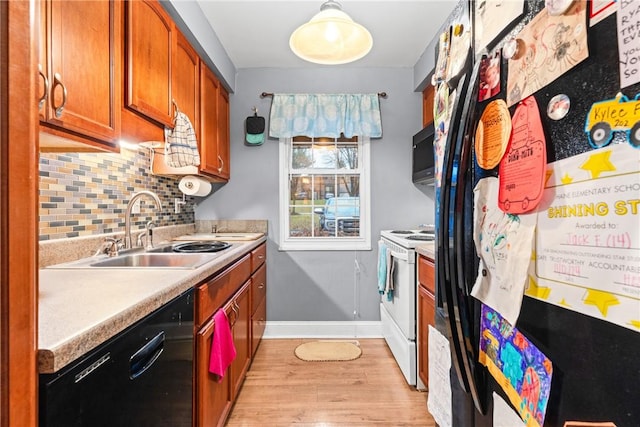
(258, 256)
(258, 325)
(427, 273)
(213, 294)
(258, 287)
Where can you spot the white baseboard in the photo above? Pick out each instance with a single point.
(276, 329)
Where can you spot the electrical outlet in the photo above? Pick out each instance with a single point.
(135, 209)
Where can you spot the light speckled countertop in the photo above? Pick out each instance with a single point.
(78, 309)
(427, 249)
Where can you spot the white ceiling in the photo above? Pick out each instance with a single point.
(256, 33)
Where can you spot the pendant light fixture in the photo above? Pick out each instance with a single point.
(331, 37)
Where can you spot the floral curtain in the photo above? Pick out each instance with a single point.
(325, 115)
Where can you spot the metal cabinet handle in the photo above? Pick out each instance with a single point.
(57, 81)
(221, 164)
(236, 308)
(261, 285)
(235, 318)
(45, 80)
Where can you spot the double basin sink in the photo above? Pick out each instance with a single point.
(188, 255)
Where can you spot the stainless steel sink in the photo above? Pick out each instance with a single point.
(164, 259)
(155, 260)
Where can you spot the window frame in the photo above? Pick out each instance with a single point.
(361, 242)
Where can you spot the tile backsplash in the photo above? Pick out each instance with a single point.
(85, 194)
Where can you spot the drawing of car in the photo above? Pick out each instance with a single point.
(614, 115)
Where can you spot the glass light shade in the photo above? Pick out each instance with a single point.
(331, 37)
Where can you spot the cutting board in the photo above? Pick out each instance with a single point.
(227, 237)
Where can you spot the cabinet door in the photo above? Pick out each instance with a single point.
(80, 63)
(223, 132)
(210, 160)
(427, 273)
(258, 325)
(426, 316)
(185, 80)
(213, 398)
(241, 339)
(149, 42)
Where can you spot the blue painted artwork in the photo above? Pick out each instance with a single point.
(523, 371)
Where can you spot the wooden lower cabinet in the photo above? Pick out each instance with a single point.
(241, 330)
(232, 290)
(258, 305)
(426, 313)
(213, 398)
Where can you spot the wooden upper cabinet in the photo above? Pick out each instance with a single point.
(80, 79)
(149, 40)
(186, 80)
(428, 95)
(223, 132)
(210, 160)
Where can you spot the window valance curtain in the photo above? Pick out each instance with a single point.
(325, 115)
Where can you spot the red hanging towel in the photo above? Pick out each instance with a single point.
(223, 352)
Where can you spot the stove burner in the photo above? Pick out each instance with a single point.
(426, 231)
(402, 232)
(194, 247)
(424, 237)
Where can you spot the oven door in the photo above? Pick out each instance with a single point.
(402, 307)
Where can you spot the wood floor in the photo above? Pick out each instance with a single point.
(282, 390)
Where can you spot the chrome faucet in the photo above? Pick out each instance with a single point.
(148, 235)
(127, 218)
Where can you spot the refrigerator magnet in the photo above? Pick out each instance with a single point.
(557, 7)
(522, 170)
(492, 134)
(558, 107)
(489, 77)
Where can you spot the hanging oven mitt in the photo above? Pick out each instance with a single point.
(255, 129)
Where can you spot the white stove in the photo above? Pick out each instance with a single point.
(408, 239)
(398, 313)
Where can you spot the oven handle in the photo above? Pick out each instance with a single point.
(404, 256)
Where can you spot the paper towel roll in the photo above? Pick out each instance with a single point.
(194, 186)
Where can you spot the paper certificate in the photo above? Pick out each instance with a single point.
(587, 246)
(629, 42)
(439, 397)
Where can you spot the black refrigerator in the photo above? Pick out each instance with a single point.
(596, 363)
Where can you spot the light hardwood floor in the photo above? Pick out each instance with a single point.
(282, 390)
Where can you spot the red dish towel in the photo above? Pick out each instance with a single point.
(222, 349)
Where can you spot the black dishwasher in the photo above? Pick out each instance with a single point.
(141, 377)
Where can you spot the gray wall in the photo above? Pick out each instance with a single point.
(324, 285)
(193, 24)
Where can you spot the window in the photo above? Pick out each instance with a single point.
(324, 194)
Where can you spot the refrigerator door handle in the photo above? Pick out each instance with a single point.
(445, 257)
(462, 299)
